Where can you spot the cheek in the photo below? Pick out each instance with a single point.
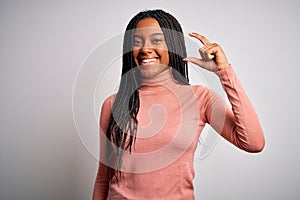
(135, 55)
(165, 57)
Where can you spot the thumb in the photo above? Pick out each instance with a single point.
(196, 61)
(208, 65)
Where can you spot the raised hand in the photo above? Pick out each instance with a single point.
(212, 55)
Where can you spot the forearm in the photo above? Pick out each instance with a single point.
(241, 125)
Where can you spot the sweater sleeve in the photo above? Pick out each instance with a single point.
(238, 124)
(102, 183)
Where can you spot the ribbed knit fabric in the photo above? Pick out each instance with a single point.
(171, 118)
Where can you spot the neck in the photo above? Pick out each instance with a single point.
(161, 81)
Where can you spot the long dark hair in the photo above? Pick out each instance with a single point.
(122, 128)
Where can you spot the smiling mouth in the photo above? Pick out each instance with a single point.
(147, 61)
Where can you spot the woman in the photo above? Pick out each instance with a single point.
(151, 127)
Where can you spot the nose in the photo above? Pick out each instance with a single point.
(146, 48)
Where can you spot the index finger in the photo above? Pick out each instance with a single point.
(201, 38)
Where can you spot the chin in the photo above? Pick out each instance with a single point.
(151, 71)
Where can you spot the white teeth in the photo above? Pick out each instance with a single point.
(149, 60)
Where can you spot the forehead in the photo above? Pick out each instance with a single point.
(147, 26)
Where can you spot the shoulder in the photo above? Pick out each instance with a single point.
(205, 95)
(106, 110)
(109, 100)
(201, 91)
(107, 103)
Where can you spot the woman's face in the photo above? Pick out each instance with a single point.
(150, 50)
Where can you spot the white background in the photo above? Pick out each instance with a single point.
(44, 43)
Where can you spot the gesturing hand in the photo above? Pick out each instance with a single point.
(213, 57)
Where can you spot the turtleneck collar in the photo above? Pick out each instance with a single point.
(161, 81)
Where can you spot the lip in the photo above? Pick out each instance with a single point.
(147, 60)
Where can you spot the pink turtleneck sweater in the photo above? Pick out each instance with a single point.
(171, 118)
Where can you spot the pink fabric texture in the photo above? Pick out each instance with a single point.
(171, 118)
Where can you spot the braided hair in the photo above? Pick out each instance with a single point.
(122, 127)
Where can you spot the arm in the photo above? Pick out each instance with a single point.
(239, 125)
(102, 183)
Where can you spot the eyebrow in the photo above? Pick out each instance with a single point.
(153, 34)
(157, 34)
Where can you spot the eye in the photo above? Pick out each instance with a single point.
(137, 43)
(156, 41)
